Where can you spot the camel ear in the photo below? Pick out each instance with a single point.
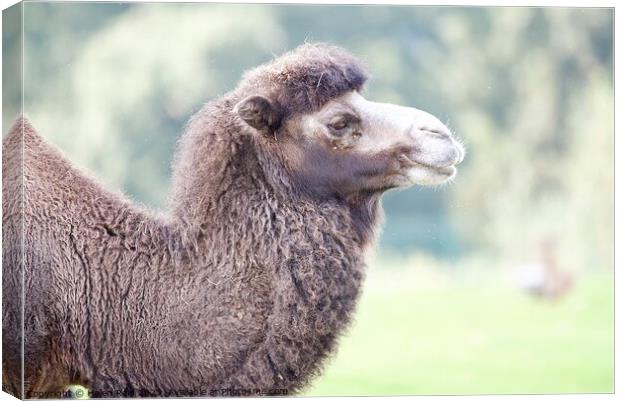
(259, 113)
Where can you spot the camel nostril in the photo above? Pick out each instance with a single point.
(438, 132)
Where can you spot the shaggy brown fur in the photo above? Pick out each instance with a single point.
(245, 284)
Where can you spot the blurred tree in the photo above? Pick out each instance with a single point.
(533, 99)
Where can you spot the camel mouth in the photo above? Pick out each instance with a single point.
(449, 169)
(443, 170)
(448, 172)
(435, 166)
(421, 173)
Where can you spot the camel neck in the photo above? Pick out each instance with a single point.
(298, 265)
(315, 268)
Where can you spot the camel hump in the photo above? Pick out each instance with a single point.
(12, 150)
(50, 175)
(22, 121)
(25, 143)
(22, 131)
(27, 154)
(22, 124)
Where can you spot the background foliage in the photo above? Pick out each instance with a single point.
(529, 90)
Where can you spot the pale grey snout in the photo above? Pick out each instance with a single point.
(428, 142)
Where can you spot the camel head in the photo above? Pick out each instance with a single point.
(332, 139)
(355, 144)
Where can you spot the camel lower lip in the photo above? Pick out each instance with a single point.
(444, 170)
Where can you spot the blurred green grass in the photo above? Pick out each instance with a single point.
(481, 337)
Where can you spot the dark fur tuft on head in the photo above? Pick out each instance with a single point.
(306, 78)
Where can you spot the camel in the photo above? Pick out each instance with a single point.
(245, 284)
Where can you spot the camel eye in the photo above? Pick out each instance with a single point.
(339, 125)
(343, 124)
